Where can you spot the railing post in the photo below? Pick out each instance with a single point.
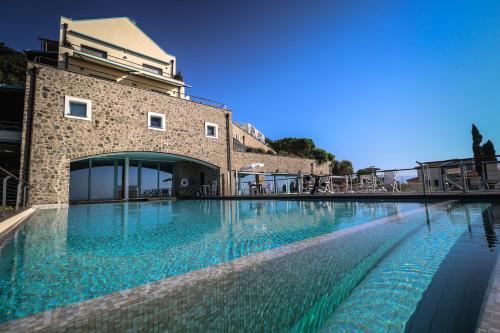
(424, 186)
(373, 182)
(462, 172)
(18, 193)
(484, 177)
(25, 192)
(4, 191)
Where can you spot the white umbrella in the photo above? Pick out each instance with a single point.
(251, 166)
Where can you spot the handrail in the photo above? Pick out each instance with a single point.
(8, 173)
(8, 125)
(13, 191)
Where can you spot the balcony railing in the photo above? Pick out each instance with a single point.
(10, 126)
(14, 193)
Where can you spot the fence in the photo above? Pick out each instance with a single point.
(14, 193)
(456, 176)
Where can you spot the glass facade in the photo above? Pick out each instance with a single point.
(103, 179)
(254, 183)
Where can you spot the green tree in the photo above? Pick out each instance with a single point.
(488, 150)
(322, 156)
(301, 147)
(476, 149)
(12, 66)
(342, 168)
(368, 171)
(346, 168)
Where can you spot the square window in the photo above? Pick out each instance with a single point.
(95, 52)
(211, 130)
(152, 69)
(156, 121)
(77, 108)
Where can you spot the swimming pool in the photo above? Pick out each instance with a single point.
(373, 279)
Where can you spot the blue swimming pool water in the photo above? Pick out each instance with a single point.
(63, 256)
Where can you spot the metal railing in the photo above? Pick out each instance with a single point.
(128, 81)
(14, 193)
(454, 177)
(10, 126)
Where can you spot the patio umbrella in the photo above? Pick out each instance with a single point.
(251, 166)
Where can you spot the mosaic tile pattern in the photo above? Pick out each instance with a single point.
(232, 296)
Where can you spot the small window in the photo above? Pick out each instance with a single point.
(94, 52)
(211, 130)
(436, 182)
(152, 69)
(156, 121)
(77, 108)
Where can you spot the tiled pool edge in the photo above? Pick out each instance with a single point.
(489, 321)
(12, 222)
(122, 306)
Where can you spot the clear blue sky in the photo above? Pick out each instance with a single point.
(381, 83)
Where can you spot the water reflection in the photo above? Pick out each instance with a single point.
(491, 222)
(63, 256)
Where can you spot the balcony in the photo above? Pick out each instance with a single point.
(103, 58)
(92, 72)
(10, 132)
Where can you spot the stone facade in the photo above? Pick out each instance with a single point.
(281, 164)
(192, 172)
(119, 123)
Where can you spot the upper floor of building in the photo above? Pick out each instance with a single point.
(114, 49)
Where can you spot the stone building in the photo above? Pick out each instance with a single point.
(107, 117)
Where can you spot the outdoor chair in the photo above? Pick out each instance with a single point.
(390, 181)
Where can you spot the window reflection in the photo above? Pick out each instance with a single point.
(102, 179)
(79, 181)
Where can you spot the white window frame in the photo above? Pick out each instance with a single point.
(216, 130)
(159, 115)
(67, 110)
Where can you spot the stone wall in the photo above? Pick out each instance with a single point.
(281, 164)
(192, 172)
(119, 124)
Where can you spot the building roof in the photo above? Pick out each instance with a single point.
(413, 180)
(97, 26)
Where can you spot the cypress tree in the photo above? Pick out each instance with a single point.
(476, 149)
(488, 150)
